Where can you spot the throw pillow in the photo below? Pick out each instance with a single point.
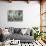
(23, 31)
(17, 30)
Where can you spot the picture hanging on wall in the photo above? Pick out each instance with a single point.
(15, 15)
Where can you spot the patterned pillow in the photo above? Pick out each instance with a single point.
(17, 30)
(11, 30)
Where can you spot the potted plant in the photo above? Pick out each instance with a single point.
(37, 33)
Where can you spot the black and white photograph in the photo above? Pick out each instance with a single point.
(15, 15)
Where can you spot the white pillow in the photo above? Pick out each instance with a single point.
(5, 32)
(23, 31)
(28, 31)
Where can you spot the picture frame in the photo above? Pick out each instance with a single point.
(15, 15)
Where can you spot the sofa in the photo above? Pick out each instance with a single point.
(22, 34)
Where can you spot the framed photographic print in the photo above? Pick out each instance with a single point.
(15, 15)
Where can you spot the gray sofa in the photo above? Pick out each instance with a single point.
(17, 35)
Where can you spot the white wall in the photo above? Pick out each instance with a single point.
(31, 14)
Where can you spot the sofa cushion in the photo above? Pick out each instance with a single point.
(0, 31)
(11, 30)
(23, 31)
(28, 31)
(17, 30)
